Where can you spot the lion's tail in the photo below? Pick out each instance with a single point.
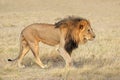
(10, 60)
(21, 37)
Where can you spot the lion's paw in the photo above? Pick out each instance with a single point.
(44, 66)
(21, 66)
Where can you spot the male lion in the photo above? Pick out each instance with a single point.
(68, 33)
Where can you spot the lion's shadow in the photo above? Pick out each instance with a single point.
(58, 62)
(53, 62)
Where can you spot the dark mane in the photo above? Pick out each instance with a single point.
(70, 45)
(71, 19)
(70, 23)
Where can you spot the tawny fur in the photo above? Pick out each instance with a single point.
(68, 33)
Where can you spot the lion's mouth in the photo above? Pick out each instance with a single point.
(91, 39)
(85, 39)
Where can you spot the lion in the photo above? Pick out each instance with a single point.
(68, 33)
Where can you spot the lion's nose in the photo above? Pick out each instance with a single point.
(93, 36)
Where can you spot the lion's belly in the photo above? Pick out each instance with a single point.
(50, 40)
(50, 37)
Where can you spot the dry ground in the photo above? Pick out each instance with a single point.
(97, 60)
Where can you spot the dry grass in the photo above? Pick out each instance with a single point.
(97, 60)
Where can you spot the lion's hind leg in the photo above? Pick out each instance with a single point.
(34, 46)
(24, 48)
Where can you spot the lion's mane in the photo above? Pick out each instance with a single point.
(71, 38)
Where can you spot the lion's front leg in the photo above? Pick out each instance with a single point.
(66, 57)
(62, 50)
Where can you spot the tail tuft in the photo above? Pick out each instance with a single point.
(10, 60)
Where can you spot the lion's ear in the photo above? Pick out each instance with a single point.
(82, 24)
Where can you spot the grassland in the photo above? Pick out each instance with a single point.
(96, 60)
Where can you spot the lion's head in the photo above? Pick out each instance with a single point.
(85, 32)
(78, 31)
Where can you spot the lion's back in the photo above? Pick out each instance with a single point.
(45, 32)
